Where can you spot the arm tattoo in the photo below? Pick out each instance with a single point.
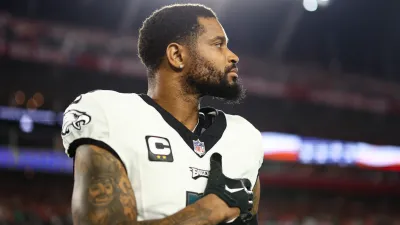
(103, 195)
(102, 189)
(191, 215)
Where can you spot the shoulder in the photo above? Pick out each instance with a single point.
(106, 97)
(107, 93)
(91, 117)
(241, 123)
(106, 101)
(253, 137)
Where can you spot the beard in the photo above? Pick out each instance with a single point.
(204, 79)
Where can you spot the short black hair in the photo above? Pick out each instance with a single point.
(173, 23)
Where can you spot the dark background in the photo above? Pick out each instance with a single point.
(346, 47)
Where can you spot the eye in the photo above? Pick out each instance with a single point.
(218, 45)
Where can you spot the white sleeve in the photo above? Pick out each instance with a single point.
(257, 158)
(261, 150)
(84, 122)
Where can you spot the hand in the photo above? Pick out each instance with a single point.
(235, 193)
(233, 185)
(227, 214)
(232, 214)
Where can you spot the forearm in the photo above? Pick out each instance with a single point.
(103, 195)
(203, 212)
(199, 213)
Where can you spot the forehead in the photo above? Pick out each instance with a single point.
(212, 28)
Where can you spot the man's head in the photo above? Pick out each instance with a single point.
(186, 40)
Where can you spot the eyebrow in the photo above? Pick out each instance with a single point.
(220, 38)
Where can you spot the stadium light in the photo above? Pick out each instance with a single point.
(324, 2)
(26, 124)
(310, 5)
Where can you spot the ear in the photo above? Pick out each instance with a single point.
(176, 55)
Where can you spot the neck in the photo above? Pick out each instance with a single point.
(171, 97)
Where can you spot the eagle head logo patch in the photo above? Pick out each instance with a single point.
(75, 119)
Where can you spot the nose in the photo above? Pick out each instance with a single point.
(102, 189)
(233, 58)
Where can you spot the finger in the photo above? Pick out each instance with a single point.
(246, 183)
(250, 197)
(216, 162)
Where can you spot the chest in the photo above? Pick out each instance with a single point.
(169, 171)
(168, 175)
(160, 149)
(157, 146)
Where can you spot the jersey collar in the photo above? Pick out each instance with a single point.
(212, 134)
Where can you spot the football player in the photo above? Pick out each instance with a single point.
(158, 158)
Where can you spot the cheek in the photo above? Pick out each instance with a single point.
(109, 189)
(212, 67)
(218, 60)
(213, 55)
(94, 190)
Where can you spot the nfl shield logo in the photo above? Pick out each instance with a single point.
(199, 147)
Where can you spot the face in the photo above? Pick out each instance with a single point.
(101, 192)
(212, 70)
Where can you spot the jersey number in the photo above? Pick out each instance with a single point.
(192, 197)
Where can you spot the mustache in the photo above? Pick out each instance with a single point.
(231, 67)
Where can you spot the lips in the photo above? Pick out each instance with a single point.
(234, 70)
(234, 73)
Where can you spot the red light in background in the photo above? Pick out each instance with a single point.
(39, 99)
(19, 97)
(31, 104)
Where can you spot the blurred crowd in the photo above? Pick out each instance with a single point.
(46, 58)
(20, 211)
(44, 199)
(280, 210)
(31, 198)
(312, 208)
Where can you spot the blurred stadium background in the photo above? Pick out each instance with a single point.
(323, 85)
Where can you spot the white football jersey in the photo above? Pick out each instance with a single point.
(167, 164)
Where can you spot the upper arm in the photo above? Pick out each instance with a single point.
(256, 198)
(260, 159)
(102, 191)
(257, 188)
